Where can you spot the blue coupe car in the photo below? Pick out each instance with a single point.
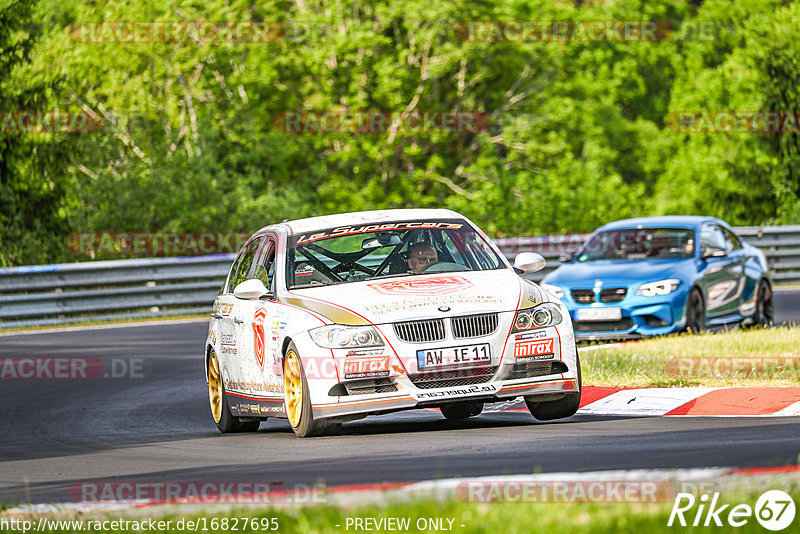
(656, 275)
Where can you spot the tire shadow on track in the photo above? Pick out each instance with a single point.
(425, 420)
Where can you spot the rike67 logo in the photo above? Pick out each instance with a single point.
(774, 510)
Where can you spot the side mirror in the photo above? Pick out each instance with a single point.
(529, 262)
(714, 252)
(251, 290)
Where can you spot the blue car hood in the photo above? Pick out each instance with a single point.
(625, 272)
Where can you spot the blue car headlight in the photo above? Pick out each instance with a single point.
(541, 316)
(662, 287)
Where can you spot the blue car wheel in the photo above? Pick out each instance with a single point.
(695, 312)
(765, 309)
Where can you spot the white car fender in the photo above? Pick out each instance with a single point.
(319, 367)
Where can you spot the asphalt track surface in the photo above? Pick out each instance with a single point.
(58, 434)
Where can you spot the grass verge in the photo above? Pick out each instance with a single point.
(735, 358)
(454, 516)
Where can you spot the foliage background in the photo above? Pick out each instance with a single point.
(578, 136)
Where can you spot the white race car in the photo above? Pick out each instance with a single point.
(330, 319)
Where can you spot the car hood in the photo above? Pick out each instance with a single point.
(623, 272)
(419, 297)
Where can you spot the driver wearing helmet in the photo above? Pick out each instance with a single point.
(421, 255)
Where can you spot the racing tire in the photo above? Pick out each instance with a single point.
(462, 411)
(695, 312)
(218, 400)
(298, 399)
(765, 308)
(561, 408)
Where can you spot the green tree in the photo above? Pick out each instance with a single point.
(33, 215)
(578, 132)
(746, 64)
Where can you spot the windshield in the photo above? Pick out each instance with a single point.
(639, 244)
(406, 248)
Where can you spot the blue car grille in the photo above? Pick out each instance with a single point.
(587, 296)
(613, 295)
(583, 296)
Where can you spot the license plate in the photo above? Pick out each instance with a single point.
(462, 356)
(599, 314)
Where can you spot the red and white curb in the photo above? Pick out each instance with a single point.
(719, 402)
(639, 485)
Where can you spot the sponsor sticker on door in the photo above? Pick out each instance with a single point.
(258, 335)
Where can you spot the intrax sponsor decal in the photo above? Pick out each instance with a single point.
(533, 347)
(375, 366)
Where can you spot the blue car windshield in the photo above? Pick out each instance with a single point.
(639, 244)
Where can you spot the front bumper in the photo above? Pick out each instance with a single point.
(514, 371)
(490, 392)
(641, 317)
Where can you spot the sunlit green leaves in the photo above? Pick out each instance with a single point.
(578, 131)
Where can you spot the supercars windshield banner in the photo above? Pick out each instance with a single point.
(349, 230)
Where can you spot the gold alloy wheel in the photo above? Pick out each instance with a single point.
(293, 386)
(214, 387)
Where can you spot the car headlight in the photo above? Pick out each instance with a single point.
(543, 315)
(662, 287)
(556, 291)
(337, 336)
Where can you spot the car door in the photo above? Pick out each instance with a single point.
(722, 274)
(221, 319)
(230, 321)
(258, 325)
(739, 255)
